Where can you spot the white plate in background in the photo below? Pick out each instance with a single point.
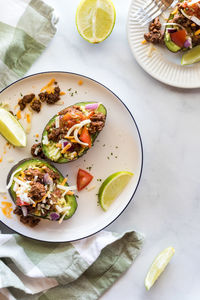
(163, 65)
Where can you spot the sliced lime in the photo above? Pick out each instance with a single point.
(158, 266)
(112, 187)
(11, 129)
(95, 19)
(192, 56)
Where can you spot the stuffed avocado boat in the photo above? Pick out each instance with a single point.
(72, 131)
(40, 190)
(181, 32)
(183, 26)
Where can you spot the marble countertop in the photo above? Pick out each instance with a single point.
(166, 207)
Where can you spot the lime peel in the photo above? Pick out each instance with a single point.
(95, 19)
(11, 129)
(191, 56)
(112, 187)
(158, 266)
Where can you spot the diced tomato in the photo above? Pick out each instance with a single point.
(85, 137)
(19, 202)
(179, 37)
(83, 179)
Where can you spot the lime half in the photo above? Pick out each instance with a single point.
(95, 19)
(11, 129)
(158, 266)
(192, 56)
(112, 187)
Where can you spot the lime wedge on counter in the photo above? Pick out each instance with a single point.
(112, 187)
(158, 266)
(192, 56)
(11, 129)
(95, 19)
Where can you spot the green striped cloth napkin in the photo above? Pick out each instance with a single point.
(29, 269)
(81, 270)
(26, 27)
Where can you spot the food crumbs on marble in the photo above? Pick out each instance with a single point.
(69, 89)
(10, 160)
(1, 159)
(90, 188)
(80, 82)
(99, 179)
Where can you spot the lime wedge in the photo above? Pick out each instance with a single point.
(95, 19)
(11, 129)
(112, 187)
(192, 56)
(158, 266)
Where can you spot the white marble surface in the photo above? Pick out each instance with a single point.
(166, 206)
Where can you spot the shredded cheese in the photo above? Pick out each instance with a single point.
(57, 122)
(12, 177)
(77, 139)
(19, 114)
(66, 148)
(64, 181)
(79, 125)
(45, 140)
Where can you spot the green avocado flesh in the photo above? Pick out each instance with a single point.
(66, 201)
(170, 44)
(51, 151)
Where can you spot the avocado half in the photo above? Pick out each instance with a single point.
(27, 163)
(167, 39)
(61, 160)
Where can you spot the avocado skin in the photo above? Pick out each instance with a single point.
(101, 108)
(25, 163)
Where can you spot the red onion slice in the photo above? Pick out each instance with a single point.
(24, 211)
(92, 106)
(54, 216)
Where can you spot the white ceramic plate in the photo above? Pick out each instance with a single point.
(163, 65)
(117, 148)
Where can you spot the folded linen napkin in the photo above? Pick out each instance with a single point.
(26, 27)
(82, 270)
(37, 270)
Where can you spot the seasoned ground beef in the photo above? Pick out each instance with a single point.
(36, 105)
(31, 174)
(25, 100)
(72, 110)
(28, 220)
(97, 122)
(50, 98)
(155, 34)
(52, 174)
(36, 150)
(37, 191)
(54, 135)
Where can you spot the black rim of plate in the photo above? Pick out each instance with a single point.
(141, 167)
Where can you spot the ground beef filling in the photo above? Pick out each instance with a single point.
(36, 102)
(25, 100)
(28, 220)
(36, 150)
(50, 98)
(155, 34)
(97, 122)
(36, 105)
(37, 191)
